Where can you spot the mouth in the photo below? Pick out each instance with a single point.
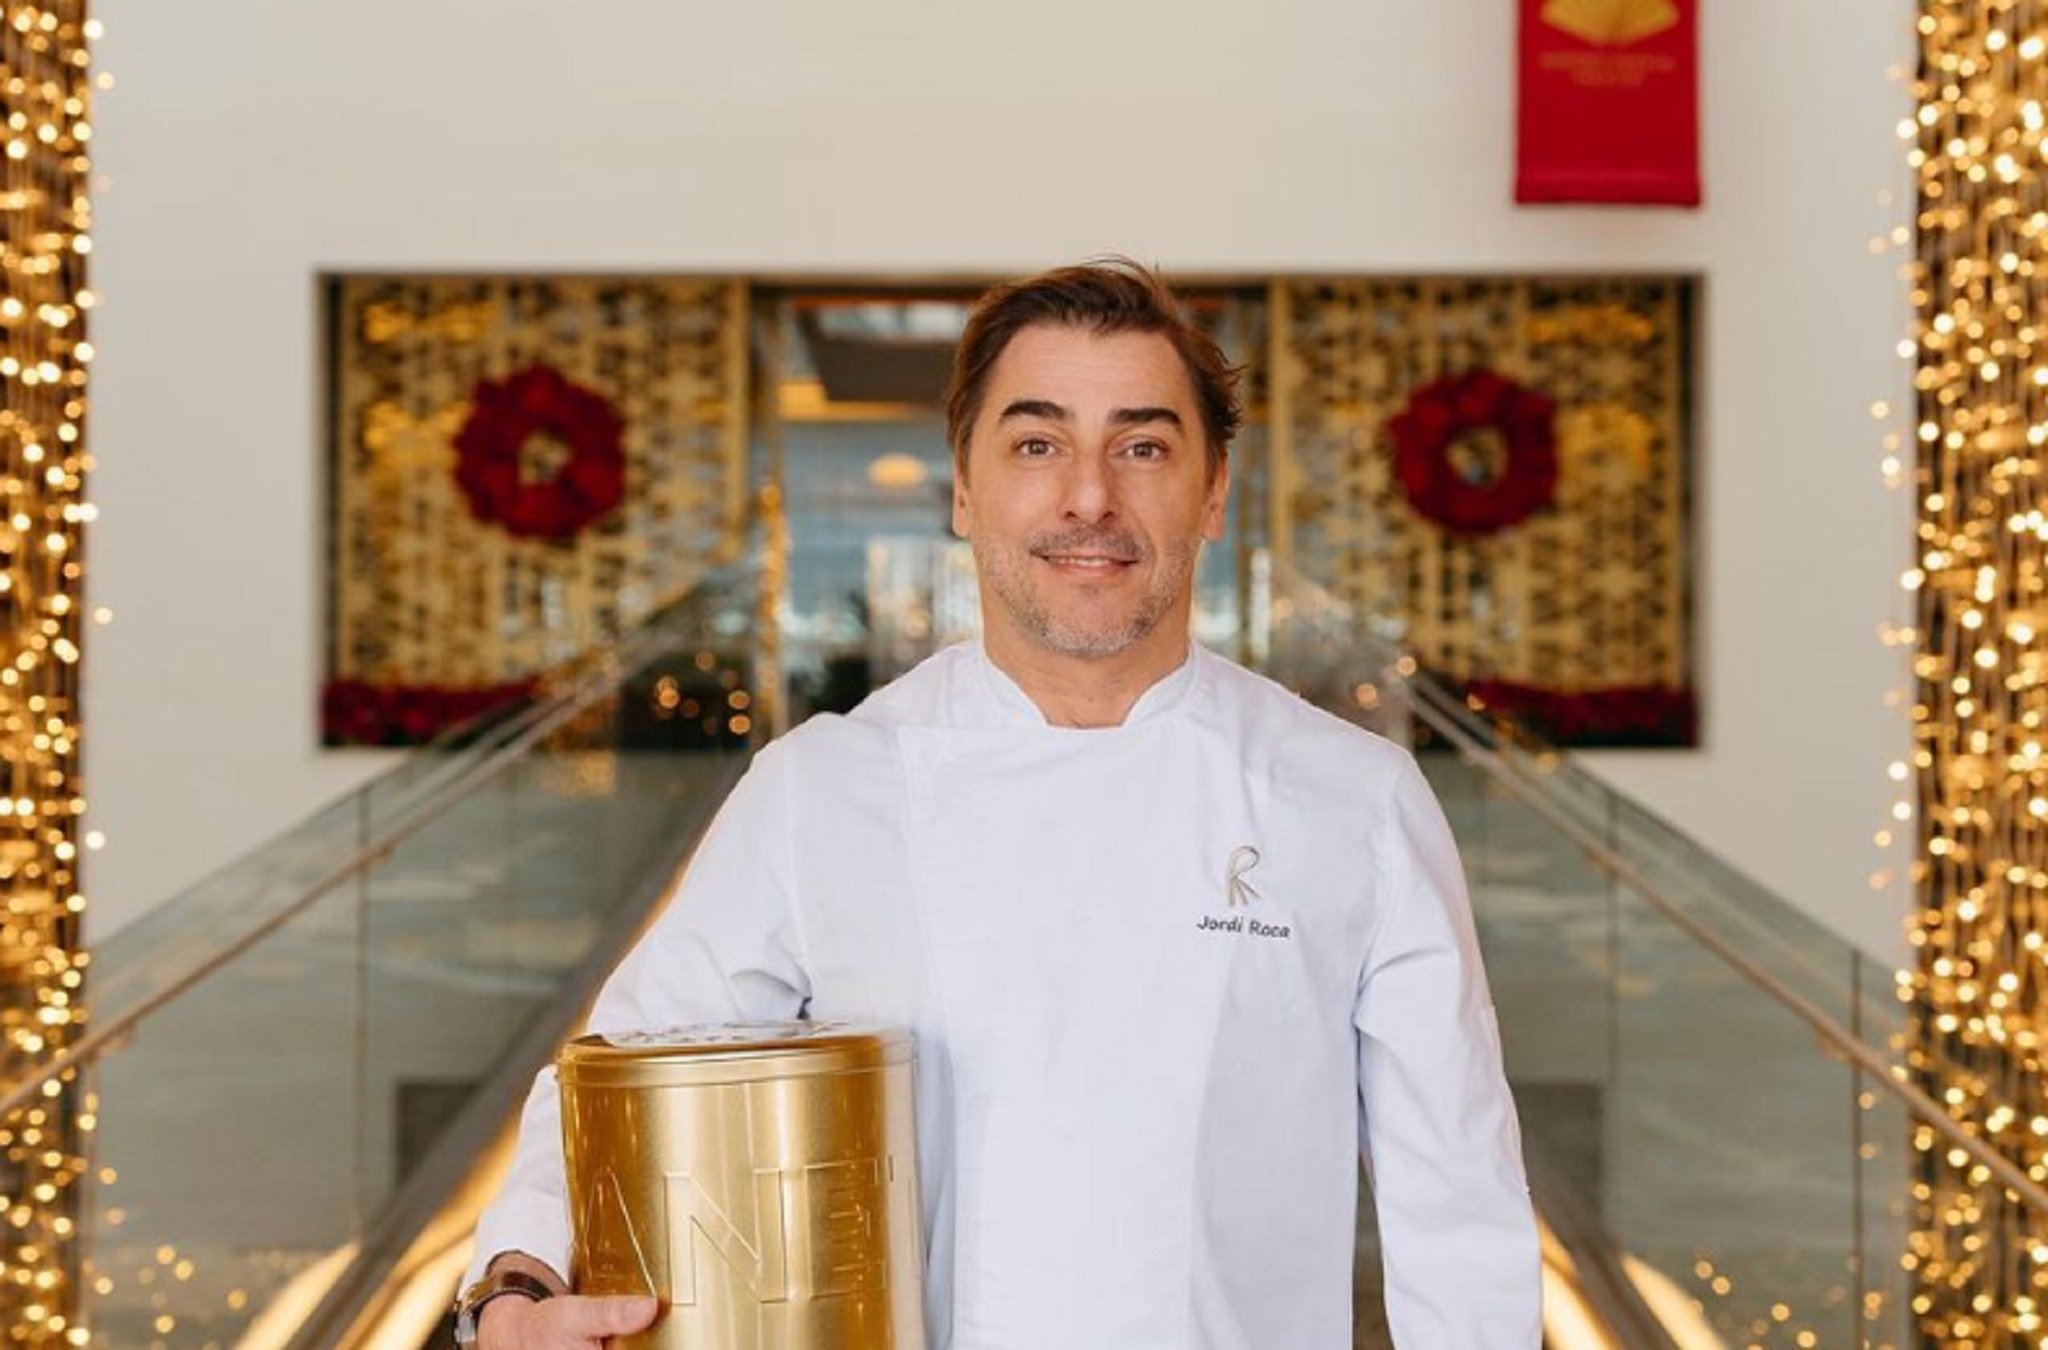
(1092, 564)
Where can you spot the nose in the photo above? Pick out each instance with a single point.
(1090, 490)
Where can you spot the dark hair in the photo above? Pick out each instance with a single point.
(1106, 295)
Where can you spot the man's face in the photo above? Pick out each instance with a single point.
(1086, 492)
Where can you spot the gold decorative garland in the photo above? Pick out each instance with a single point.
(45, 57)
(1979, 1261)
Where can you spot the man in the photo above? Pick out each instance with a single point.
(1172, 942)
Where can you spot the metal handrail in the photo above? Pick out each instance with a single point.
(1435, 703)
(514, 737)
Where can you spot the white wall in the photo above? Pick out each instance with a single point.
(249, 146)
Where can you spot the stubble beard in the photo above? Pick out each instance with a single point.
(1009, 576)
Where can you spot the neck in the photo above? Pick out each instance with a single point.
(1086, 691)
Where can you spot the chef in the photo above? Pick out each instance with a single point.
(1174, 944)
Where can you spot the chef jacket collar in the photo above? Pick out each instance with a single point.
(1007, 704)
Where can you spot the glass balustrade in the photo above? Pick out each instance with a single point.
(273, 1056)
(1696, 1063)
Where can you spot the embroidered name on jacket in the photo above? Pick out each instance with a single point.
(1239, 923)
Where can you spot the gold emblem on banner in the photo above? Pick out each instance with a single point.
(1611, 23)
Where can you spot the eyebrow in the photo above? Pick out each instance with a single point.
(1134, 417)
(1121, 417)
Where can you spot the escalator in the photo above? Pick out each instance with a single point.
(300, 1074)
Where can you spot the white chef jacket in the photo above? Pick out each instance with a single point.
(1164, 977)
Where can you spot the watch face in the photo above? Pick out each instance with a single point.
(469, 1311)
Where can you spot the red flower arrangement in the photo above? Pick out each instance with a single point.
(1445, 412)
(355, 712)
(504, 416)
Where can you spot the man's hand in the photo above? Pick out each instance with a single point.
(568, 1322)
(564, 1322)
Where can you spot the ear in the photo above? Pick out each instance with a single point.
(963, 509)
(1213, 508)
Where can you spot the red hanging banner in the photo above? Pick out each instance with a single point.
(1609, 102)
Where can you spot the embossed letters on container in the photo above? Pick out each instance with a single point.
(814, 1231)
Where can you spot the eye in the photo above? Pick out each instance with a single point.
(1145, 450)
(1034, 447)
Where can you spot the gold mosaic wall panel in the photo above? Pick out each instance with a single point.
(455, 579)
(1579, 609)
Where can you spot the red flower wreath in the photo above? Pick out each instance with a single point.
(1445, 411)
(503, 416)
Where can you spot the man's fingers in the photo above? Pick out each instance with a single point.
(601, 1317)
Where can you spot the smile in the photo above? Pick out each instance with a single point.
(1085, 562)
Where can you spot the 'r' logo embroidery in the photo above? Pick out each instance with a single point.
(1236, 889)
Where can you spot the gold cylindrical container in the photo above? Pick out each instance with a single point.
(759, 1179)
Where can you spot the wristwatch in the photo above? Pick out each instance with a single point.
(469, 1309)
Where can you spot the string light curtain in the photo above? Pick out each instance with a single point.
(44, 72)
(1979, 1261)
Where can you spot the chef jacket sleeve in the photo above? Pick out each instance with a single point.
(725, 947)
(1458, 1236)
